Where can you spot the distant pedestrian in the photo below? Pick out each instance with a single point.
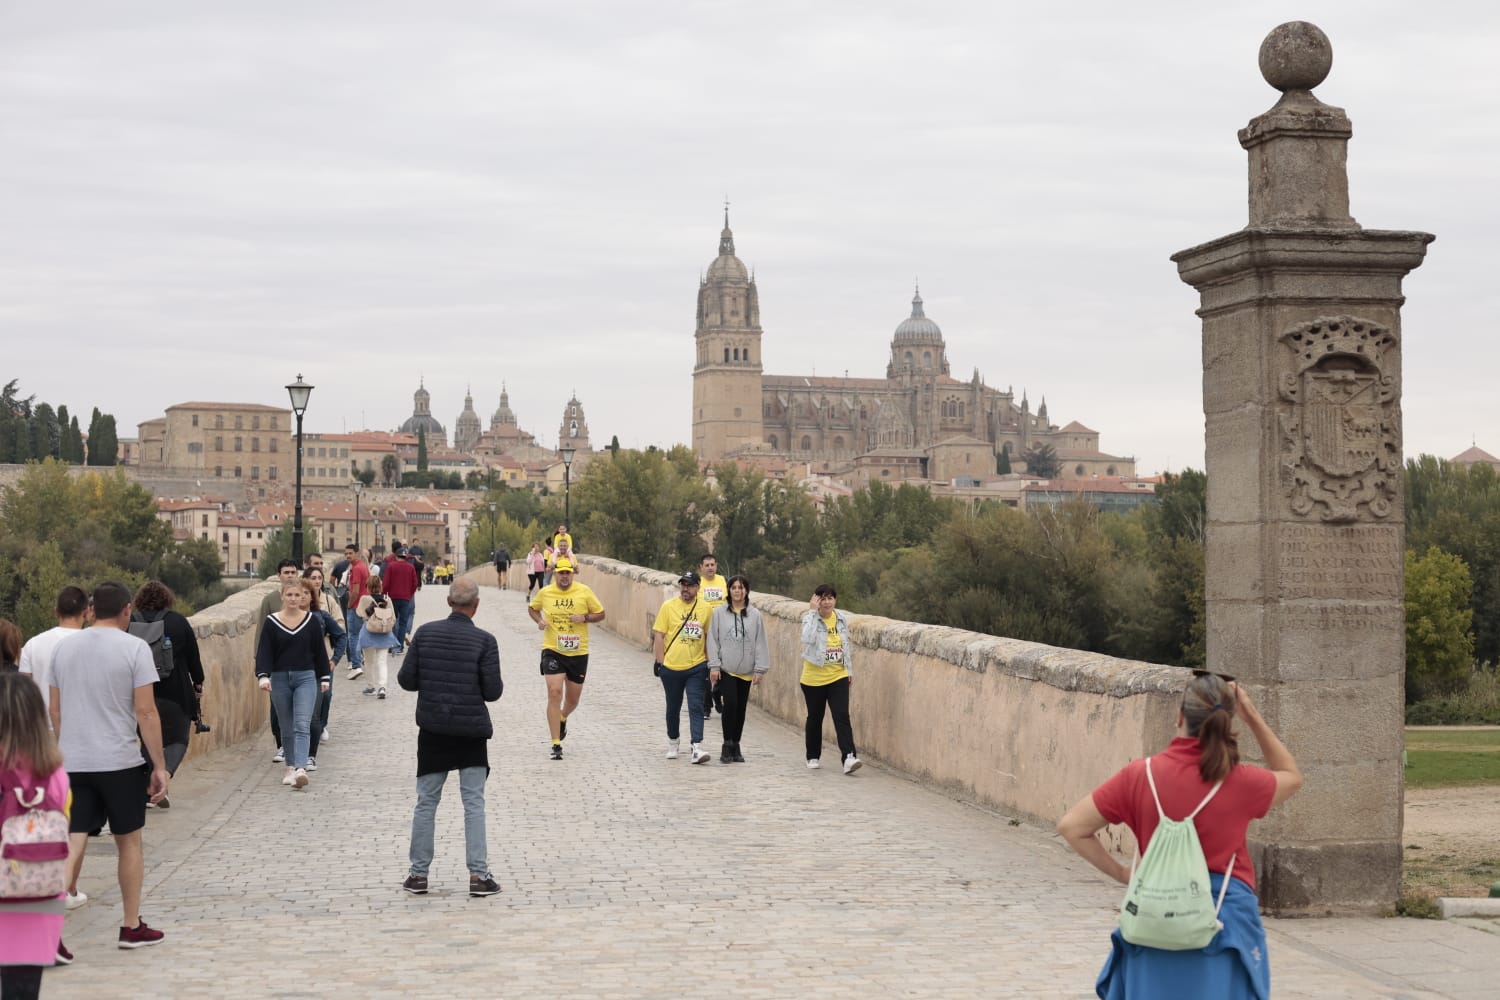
(454, 667)
(377, 642)
(536, 563)
(564, 612)
(713, 591)
(739, 655)
(71, 609)
(502, 565)
(292, 663)
(325, 604)
(551, 560)
(31, 770)
(399, 581)
(179, 695)
(103, 708)
(826, 679)
(1198, 777)
(357, 583)
(678, 639)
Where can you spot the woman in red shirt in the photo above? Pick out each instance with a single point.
(1203, 752)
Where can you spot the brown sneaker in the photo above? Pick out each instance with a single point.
(139, 936)
(415, 884)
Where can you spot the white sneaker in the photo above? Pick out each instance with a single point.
(699, 757)
(289, 778)
(299, 782)
(326, 737)
(77, 899)
(671, 749)
(312, 763)
(851, 764)
(812, 764)
(354, 672)
(280, 757)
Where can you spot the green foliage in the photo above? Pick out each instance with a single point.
(645, 507)
(1439, 643)
(279, 547)
(421, 449)
(765, 528)
(193, 568)
(104, 443)
(1002, 462)
(1477, 703)
(1458, 511)
(883, 517)
(390, 469)
(1041, 461)
(614, 444)
(515, 536)
(366, 476)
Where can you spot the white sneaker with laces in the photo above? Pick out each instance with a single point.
(280, 757)
(312, 763)
(289, 778)
(76, 899)
(812, 764)
(354, 672)
(327, 737)
(852, 764)
(699, 756)
(671, 749)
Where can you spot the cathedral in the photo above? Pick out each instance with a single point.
(918, 422)
(505, 437)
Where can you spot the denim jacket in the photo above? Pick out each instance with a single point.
(815, 637)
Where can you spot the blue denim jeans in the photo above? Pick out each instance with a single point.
(294, 694)
(404, 612)
(424, 817)
(694, 683)
(355, 625)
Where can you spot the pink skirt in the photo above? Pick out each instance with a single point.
(29, 938)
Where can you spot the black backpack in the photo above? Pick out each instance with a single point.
(153, 629)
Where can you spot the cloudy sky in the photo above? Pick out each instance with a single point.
(201, 200)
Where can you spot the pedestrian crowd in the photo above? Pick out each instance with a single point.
(97, 713)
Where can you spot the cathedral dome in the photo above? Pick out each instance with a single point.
(918, 326)
(727, 265)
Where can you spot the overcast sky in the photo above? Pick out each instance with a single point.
(199, 201)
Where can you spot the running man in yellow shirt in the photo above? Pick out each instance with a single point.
(679, 645)
(563, 610)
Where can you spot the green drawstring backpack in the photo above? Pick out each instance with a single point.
(1169, 903)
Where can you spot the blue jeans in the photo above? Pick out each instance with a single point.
(355, 625)
(404, 612)
(424, 817)
(694, 683)
(294, 694)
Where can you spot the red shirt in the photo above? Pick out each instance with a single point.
(359, 581)
(399, 579)
(1246, 795)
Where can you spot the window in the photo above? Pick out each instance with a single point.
(274, 445)
(255, 444)
(219, 471)
(255, 422)
(806, 443)
(239, 444)
(926, 359)
(205, 520)
(726, 354)
(343, 452)
(838, 443)
(736, 411)
(271, 473)
(273, 421)
(195, 420)
(226, 538)
(774, 443)
(254, 472)
(253, 555)
(238, 472)
(908, 357)
(1111, 471)
(218, 442)
(239, 423)
(885, 472)
(736, 354)
(218, 421)
(194, 447)
(1078, 471)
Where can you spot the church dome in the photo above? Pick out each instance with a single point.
(918, 326)
(727, 265)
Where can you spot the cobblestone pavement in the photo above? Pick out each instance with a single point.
(628, 875)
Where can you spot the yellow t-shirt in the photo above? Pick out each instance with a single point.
(713, 591)
(690, 647)
(832, 668)
(562, 636)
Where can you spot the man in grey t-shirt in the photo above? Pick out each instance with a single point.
(102, 693)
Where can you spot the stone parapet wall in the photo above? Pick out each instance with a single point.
(232, 703)
(1022, 727)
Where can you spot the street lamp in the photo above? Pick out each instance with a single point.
(375, 546)
(567, 457)
(299, 391)
(492, 531)
(358, 488)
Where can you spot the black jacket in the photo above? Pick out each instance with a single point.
(454, 666)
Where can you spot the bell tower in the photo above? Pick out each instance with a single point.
(573, 432)
(727, 369)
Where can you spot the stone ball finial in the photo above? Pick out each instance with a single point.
(1296, 56)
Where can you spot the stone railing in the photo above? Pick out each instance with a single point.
(1022, 727)
(232, 703)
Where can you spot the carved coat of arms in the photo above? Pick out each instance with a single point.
(1339, 420)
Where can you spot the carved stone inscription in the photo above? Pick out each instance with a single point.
(1339, 420)
(1319, 561)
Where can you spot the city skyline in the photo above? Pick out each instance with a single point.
(202, 203)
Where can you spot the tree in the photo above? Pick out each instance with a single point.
(765, 528)
(1041, 461)
(421, 449)
(390, 470)
(104, 444)
(1458, 510)
(646, 507)
(46, 436)
(1002, 461)
(366, 476)
(614, 445)
(1439, 643)
(15, 414)
(279, 547)
(76, 454)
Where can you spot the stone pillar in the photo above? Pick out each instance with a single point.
(1302, 398)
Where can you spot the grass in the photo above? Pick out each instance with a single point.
(1443, 758)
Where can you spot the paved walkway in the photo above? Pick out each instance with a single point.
(627, 875)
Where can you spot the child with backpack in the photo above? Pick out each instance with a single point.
(33, 840)
(1189, 808)
(378, 637)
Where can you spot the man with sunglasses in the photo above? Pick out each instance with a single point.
(564, 610)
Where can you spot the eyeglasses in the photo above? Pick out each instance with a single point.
(1209, 673)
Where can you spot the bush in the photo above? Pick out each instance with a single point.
(1476, 703)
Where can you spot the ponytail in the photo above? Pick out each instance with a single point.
(1208, 709)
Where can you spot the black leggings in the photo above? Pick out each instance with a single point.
(533, 580)
(20, 982)
(736, 696)
(836, 697)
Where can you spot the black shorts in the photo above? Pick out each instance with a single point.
(503, 567)
(576, 667)
(118, 797)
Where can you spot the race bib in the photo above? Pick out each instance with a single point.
(833, 657)
(713, 595)
(692, 631)
(569, 643)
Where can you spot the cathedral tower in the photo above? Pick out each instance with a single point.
(727, 372)
(573, 432)
(466, 429)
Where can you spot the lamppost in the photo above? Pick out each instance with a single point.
(358, 488)
(375, 545)
(299, 391)
(567, 457)
(492, 530)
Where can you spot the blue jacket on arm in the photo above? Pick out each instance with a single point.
(454, 666)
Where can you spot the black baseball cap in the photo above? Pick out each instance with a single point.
(689, 577)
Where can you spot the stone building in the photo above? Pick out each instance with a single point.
(219, 441)
(421, 419)
(917, 422)
(467, 429)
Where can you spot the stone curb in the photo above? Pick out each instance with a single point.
(1451, 907)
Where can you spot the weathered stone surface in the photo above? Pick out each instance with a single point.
(1355, 876)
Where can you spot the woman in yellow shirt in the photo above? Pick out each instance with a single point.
(825, 675)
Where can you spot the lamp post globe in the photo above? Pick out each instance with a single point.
(300, 392)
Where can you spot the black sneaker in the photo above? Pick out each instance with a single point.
(486, 886)
(557, 751)
(415, 884)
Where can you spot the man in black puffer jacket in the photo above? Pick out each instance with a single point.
(454, 666)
